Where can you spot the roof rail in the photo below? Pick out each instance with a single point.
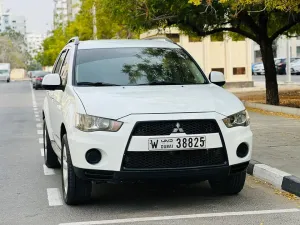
(75, 40)
(160, 38)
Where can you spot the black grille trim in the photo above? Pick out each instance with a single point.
(158, 128)
(158, 160)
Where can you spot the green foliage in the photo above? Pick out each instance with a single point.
(13, 49)
(82, 27)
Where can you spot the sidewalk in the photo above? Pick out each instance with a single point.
(260, 86)
(276, 142)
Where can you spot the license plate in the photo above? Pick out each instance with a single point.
(177, 143)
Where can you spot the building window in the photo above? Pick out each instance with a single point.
(173, 37)
(298, 38)
(195, 39)
(14, 21)
(239, 70)
(217, 37)
(298, 51)
(218, 70)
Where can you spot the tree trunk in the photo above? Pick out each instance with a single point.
(272, 95)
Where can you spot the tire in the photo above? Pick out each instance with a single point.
(230, 185)
(8, 80)
(74, 190)
(50, 158)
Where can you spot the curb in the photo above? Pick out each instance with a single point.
(273, 108)
(278, 178)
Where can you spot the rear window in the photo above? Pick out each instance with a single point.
(134, 66)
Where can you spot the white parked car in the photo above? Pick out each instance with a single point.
(141, 111)
(295, 67)
(258, 69)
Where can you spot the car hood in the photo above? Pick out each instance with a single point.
(117, 102)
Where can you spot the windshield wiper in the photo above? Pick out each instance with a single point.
(95, 84)
(162, 83)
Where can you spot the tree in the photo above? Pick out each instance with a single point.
(13, 49)
(263, 21)
(82, 27)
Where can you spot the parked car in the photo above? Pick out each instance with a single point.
(252, 67)
(141, 111)
(280, 64)
(258, 69)
(295, 67)
(37, 79)
(5, 72)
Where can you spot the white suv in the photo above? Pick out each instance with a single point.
(141, 111)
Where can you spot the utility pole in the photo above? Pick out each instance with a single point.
(288, 61)
(94, 22)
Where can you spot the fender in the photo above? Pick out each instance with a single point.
(46, 114)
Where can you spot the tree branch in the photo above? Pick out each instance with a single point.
(247, 20)
(286, 27)
(231, 29)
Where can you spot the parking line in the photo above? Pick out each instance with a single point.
(42, 152)
(54, 197)
(37, 119)
(39, 125)
(48, 171)
(39, 131)
(41, 140)
(37, 116)
(180, 217)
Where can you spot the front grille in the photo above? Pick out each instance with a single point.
(174, 159)
(155, 128)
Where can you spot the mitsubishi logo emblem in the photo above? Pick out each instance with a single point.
(178, 129)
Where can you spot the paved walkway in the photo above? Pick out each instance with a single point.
(277, 142)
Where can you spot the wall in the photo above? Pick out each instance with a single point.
(17, 74)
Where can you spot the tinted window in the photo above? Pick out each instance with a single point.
(64, 70)
(59, 62)
(41, 74)
(133, 66)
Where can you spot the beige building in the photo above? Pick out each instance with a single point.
(233, 58)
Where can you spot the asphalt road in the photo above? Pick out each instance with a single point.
(29, 194)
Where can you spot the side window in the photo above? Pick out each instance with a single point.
(64, 69)
(59, 62)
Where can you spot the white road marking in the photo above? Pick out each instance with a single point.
(41, 141)
(35, 109)
(39, 131)
(180, 217)
(42, 152)
(36, 113)
(54, 197)
(37, 116)
(48, 171)
(38, 119)
(39, 125)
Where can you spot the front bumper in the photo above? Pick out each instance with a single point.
(178, 175)
(4, 78)
(114, 145)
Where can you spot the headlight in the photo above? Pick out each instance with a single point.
(238, 119)
(88, 123)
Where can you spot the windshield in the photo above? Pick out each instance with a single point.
(296, 61)
(3, 72)
(136, 66)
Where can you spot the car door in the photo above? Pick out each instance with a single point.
(57, 97)
(51, 99)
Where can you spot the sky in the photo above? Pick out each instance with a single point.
(38, 13)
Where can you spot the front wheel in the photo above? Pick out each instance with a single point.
(8, 80)
(231, 185)
(74, 189)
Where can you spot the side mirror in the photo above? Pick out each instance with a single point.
(52, 82)
(217, 78)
